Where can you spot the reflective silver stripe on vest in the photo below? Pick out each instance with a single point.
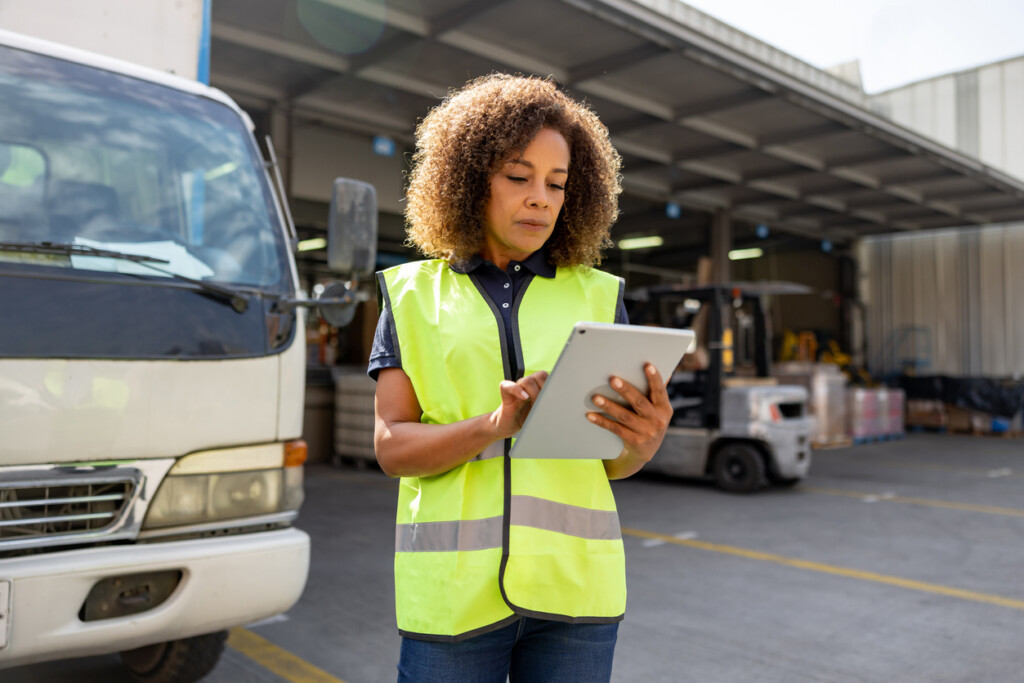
(482, 534)
(468, 534)
(495, 450)
(539, 513)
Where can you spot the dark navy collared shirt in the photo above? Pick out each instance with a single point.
(501, 286)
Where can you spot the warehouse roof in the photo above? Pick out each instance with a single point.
(704, 115)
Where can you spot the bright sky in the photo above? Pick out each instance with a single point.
(896, 41)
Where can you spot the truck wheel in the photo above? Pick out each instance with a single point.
(739, 468)
(177, 661)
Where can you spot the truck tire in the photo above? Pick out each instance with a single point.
(739, 468)
(177, 661)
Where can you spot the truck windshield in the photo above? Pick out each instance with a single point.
(94, 158)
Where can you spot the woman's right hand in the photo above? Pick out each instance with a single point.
(516, 400)
(407, 447)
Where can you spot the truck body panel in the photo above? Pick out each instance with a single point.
(152, 362)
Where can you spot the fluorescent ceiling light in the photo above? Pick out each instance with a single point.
(313, 244)
(740, 254)
(641, 242)
(223, 169)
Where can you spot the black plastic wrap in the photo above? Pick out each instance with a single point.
(999, 397)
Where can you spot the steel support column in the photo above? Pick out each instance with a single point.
(721, 243)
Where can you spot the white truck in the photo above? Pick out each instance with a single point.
(152, 364)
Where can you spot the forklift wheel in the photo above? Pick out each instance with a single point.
(739, 468)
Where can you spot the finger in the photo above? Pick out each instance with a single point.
(513, 391)
(629, 436)
(531, 385)
(541, 376)
(618, 413)
(633, 395)
(612, 426)
(656, 385)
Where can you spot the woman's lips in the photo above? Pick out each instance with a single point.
(532, 225)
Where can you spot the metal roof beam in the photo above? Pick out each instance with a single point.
(382, 49)
(958, 195)
(633, 123)
(248, 87)
(928, 223)
(615, 62)
(400, 81)
(919, 177)
(458, 16)
(862, 158)
(709, 151)
(696, 186)
(308, 87)
(1003, 215)
(640, 165)
(376, 11)
(801, 134)
(773, 174)
(718, 104)
(296, 52)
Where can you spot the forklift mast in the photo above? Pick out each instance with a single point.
(650, 306)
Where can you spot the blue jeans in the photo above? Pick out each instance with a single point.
(528, 651)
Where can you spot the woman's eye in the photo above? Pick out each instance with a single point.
(517, 179)
(557, 186)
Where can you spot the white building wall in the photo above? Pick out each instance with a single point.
(978, 112)
(963, 288)
(155, 33)
(954, 298)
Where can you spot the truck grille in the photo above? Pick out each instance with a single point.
(63, 506)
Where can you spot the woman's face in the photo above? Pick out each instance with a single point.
(526, 197)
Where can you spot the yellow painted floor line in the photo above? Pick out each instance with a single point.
(280, 661)
(928, 502)
(831, 569)
(990, 472)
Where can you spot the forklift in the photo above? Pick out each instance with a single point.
(732, 422)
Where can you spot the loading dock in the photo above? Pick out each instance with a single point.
(894, 561)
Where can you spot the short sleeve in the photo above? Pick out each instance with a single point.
(382, 354)
(622, 317)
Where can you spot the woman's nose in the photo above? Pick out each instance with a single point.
(537, 198)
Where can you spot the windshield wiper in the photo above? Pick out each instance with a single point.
(236, 300)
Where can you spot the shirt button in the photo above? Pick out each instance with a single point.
(517, 269)
(504, 305)
(506, 285)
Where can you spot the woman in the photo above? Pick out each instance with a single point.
(503, 568)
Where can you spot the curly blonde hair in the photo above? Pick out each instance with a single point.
(463, 141)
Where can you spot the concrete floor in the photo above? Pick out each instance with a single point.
(895, 561)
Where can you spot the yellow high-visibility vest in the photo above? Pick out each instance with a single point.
(498, 537)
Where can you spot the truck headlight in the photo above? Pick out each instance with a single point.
(231, 483)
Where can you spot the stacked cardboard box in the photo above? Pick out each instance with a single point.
(926, 413)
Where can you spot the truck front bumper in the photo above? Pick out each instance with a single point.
(226, 582)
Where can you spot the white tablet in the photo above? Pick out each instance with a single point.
(557, 426)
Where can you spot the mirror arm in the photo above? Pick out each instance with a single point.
(276, 167)
(356, 297)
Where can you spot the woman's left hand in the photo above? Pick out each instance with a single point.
(641, 424)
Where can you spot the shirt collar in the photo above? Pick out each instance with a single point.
(537, 263)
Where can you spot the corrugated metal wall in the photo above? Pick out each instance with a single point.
(978, 112)
(953, 299)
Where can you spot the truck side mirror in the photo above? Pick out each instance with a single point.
(351, 248)
(352, 229)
